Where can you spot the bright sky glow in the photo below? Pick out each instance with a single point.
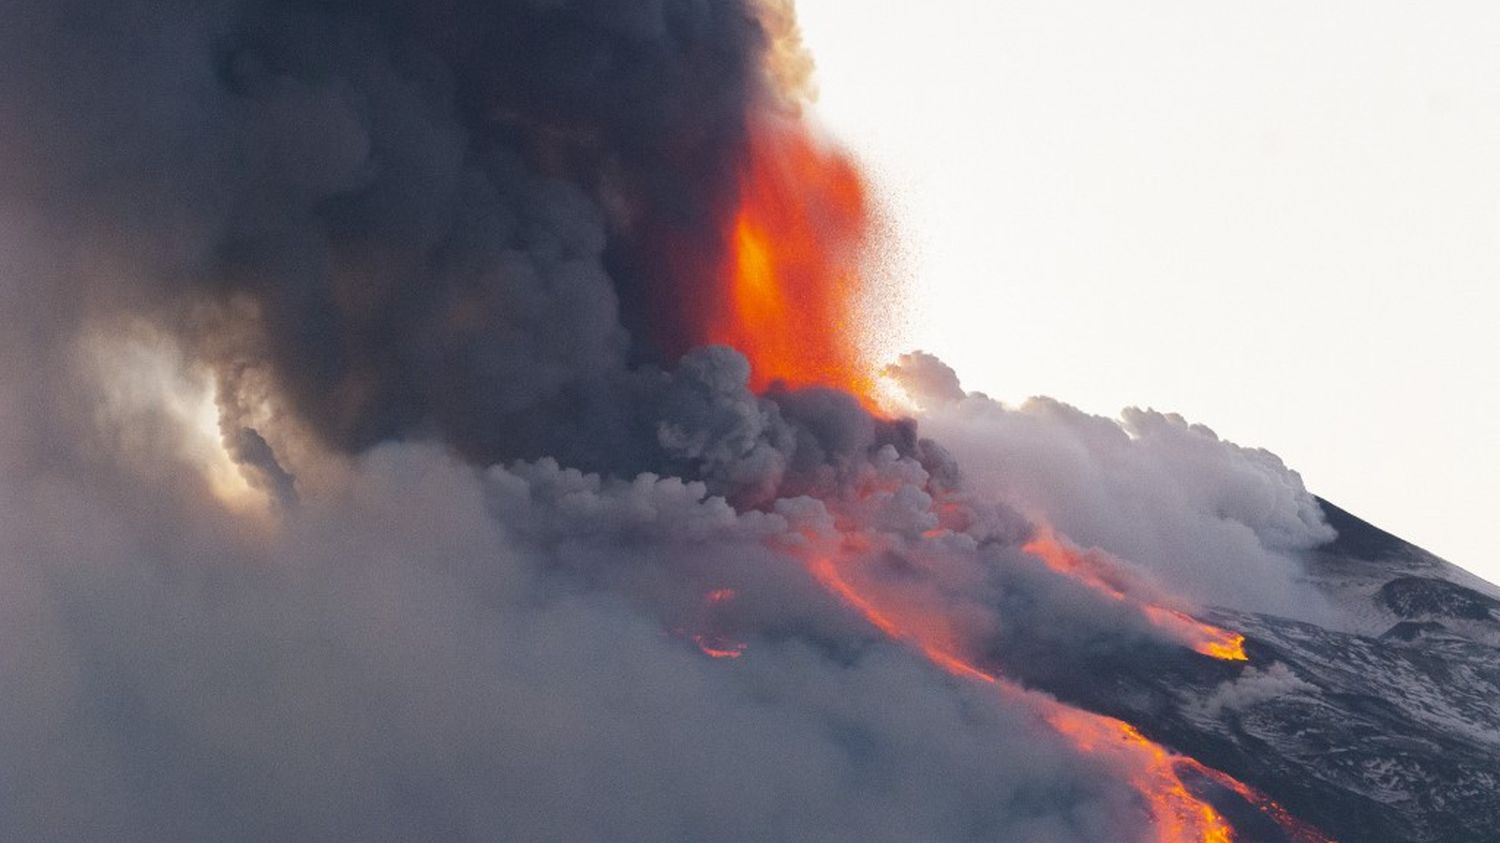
(1280, 219)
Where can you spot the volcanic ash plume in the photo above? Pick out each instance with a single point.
(369, 472)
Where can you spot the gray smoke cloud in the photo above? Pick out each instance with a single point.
(437, 651)
(339, 502)
(1222, 523)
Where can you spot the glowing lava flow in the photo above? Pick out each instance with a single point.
(713, 643)
(715, 649)
(1091, 569)
(1177, 815)
(791, 277)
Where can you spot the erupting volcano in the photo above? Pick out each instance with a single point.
(459, 421)
(788, 298)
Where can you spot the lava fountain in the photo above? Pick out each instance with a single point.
(788, 290)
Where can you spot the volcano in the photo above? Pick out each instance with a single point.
(459, 421)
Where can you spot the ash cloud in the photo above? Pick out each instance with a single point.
(443, 652)
(399, 207)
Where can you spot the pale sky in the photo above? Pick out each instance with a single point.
(1280, 219)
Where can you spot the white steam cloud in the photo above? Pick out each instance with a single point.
(1220, 523)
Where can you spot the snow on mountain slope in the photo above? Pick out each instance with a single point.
(1384, 730)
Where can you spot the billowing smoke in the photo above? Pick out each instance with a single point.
(395, 211)
(1222, 523)
(355, 484)
(442, 652)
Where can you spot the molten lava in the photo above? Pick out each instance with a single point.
(1093, 570)
(717, 648)
(789, 287)
(712, 641)
(1178, 815)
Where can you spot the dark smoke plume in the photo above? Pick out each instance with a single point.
(400, 206)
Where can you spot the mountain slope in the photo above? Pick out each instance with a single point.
(1382, 726)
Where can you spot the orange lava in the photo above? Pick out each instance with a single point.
(711, 640)
(828, 576)
(1177, 814)
(716, 648)
(791, 277)
(1091, 569)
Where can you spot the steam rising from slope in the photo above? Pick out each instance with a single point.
(1221, 522)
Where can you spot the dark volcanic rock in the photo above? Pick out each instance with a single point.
(1358, 538)
(1412, 630)
(1427, 597)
